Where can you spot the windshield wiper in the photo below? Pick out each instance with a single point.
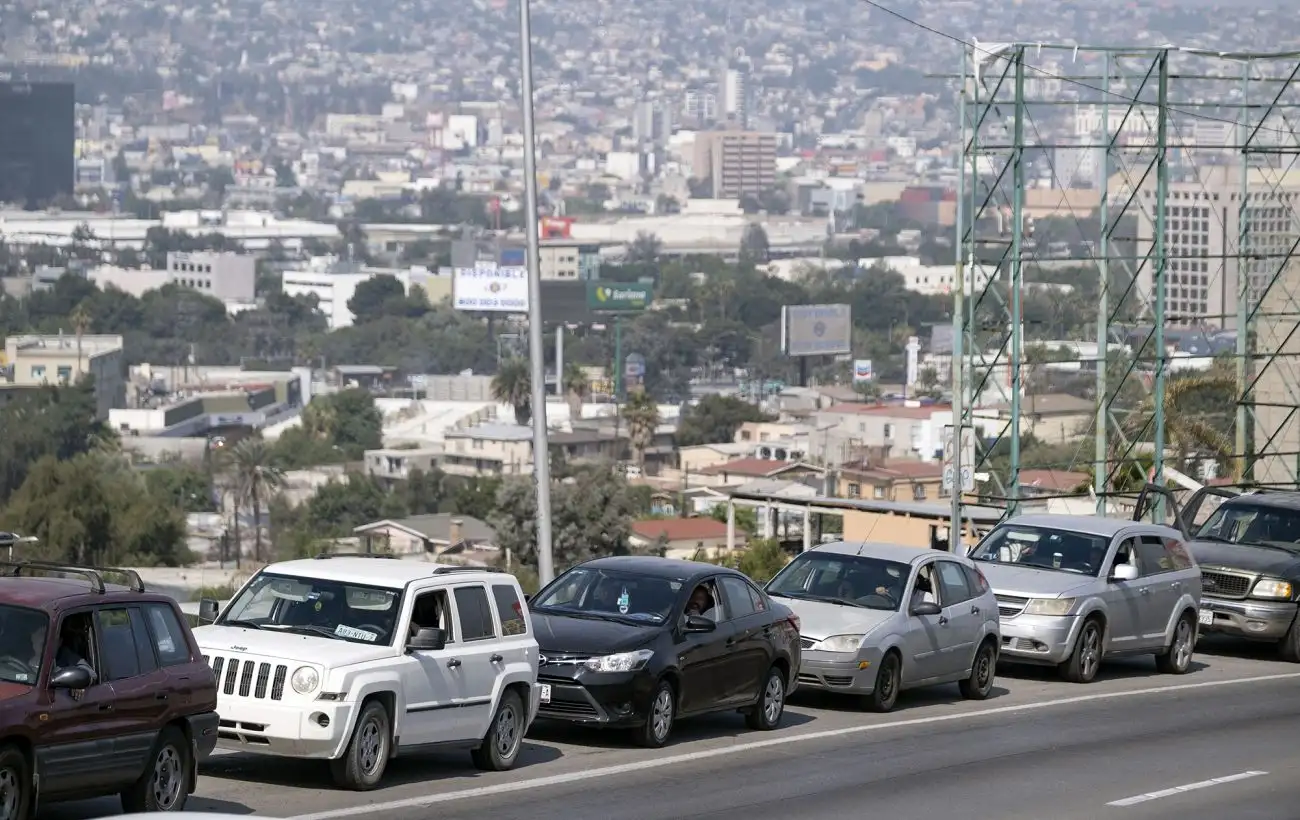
(841, 601)
(312, 629)
(798, 596)
(245, 624)
(1272, 545)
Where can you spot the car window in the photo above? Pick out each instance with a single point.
(118, 644)
(168, 635)
(145, 653)
(431, 612)
(862, 580)
(975, 581)
(952, 583)
(739, 601)
(474, 614)
(77, 644)
(314, 606)
(509, 609)
(706, 602)
(607, 593)
(1151, 556)
(926, 587)
(1126, 553)
(1178, 555)
(1043, 548)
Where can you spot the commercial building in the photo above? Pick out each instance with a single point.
(739, 163)
(32, 361)
(242, 399)
(230, 277)
(559, 259)
(334, 283)
(37, 142)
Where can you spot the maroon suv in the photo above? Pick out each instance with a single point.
(102, 691)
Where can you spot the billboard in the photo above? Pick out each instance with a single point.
(862, 370)
(490, 287)
(605, 297)
(816, 330)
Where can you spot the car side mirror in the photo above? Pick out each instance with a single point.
(72, 677)
(696, 624)
(1123, 572)
(926, 608)
(208, 610)
(528, 599)
(427, 639)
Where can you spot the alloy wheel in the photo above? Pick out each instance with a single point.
(773, 698)
(984, 670)
(10, 794)
(371, 746)
(1183, 644)
(661, 714)
(1090, 657)
(507, 734)
(168, 778)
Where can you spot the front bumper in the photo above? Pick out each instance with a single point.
(596, 698)
(1256, 620)
(1038, 639)
(851, 674)
(285, 730)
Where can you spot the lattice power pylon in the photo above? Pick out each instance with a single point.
(1177, 169)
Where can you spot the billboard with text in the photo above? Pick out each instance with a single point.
(490, 287)
(816, 330)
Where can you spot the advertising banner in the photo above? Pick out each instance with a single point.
(490, 287)
(605, 297)
(816, 330)
(862, 370)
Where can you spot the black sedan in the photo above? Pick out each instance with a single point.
(638, 642)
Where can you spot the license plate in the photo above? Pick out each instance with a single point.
(545, 694)
(1206, 617)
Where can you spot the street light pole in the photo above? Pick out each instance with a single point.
(541, 446)
(12, 539)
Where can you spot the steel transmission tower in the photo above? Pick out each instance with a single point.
(1179, 173)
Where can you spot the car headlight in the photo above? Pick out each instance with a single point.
(840, 643)
(1049, 606)
(304, 680)
(621, 662)
(1271, 588)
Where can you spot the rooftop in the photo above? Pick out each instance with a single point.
(391, 573)
(679, 529)
(870, 549)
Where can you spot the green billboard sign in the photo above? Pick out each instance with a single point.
(607, 297)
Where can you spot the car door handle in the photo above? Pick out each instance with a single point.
(496, 659)
(731, 642)
(1145, 591)
(453, 663)
(1177, 585)
(160, 696)
(943, 621)
(974, 610)
(105, 707)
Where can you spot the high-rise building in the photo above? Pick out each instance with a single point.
(739, 163)
(733, 94)
(37, 142)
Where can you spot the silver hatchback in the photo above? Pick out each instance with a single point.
(1073, 590)
(877, 619)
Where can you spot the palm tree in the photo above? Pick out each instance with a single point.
(642, 416)
(256, 478)
(575, 387)
(80, 318)
(1190, 430)
(513, 385)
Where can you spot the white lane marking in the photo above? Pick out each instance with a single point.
(1190, 787)
(740, 748)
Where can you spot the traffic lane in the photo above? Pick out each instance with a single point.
(1067, 763)
(1263, 795)
(243, 783)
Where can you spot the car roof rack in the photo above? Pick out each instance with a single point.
(447, 570)
(93, 574)
(321, 556)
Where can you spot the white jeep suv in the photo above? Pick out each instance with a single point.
(355, 658)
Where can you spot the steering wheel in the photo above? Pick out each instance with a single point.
(375, 628)
(13, 662)
(879, 600)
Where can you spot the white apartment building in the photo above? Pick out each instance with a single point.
(230, 277)
(333, 290)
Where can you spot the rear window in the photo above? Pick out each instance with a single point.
(510, 610)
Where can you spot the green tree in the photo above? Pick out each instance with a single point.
(512, 385)
(257, 477)
(336, 427)
(642, 417)
(715, 420)
(644, 249)
(423, 492)
(338, 507)
(49, 421)
(754, 248)
(183, 487)
(576, 387)
(375, 298)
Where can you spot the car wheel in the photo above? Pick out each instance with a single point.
(164, 786)
(15, 784)
(504, 737)
(1085, 661)
(1177, 658)
(659, 722)
(766, 714)
(982, 672)
(889, 678)
(1289, 648)
(362, 766)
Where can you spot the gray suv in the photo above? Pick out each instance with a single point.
(1073, 590)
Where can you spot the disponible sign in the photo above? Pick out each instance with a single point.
(492, 287)
(816, 330)
(620, 298)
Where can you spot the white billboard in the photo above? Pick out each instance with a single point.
(490, 287)
(816, 330)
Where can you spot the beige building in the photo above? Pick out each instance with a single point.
(36, 360)
(507, 449)
(1277, 393)
(740, 163)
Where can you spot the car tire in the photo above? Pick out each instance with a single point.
(1177, 657)
(889, 678)
(767, 712)
(1289, 648)
(1085, 660)
(660, 717)
(983, 671)
(164, 785)
(363, 763)
(504, 738)
(15, 784)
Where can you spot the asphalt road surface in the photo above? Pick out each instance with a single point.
(1218, 742)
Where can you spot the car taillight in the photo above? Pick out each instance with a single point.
(793, 620)
(984, 582)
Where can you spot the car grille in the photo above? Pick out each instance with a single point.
(807, 643)
(255, 679)
(569, 709)
(1009, 605)
(1220, 584)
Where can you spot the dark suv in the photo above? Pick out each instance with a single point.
(103, 691)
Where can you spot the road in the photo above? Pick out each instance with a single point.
(1134, 745)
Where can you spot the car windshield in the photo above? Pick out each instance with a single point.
(22, 643)
(852, 580)
(312, 606)
(609, 594)
(1254, 524)
(1044, 548)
